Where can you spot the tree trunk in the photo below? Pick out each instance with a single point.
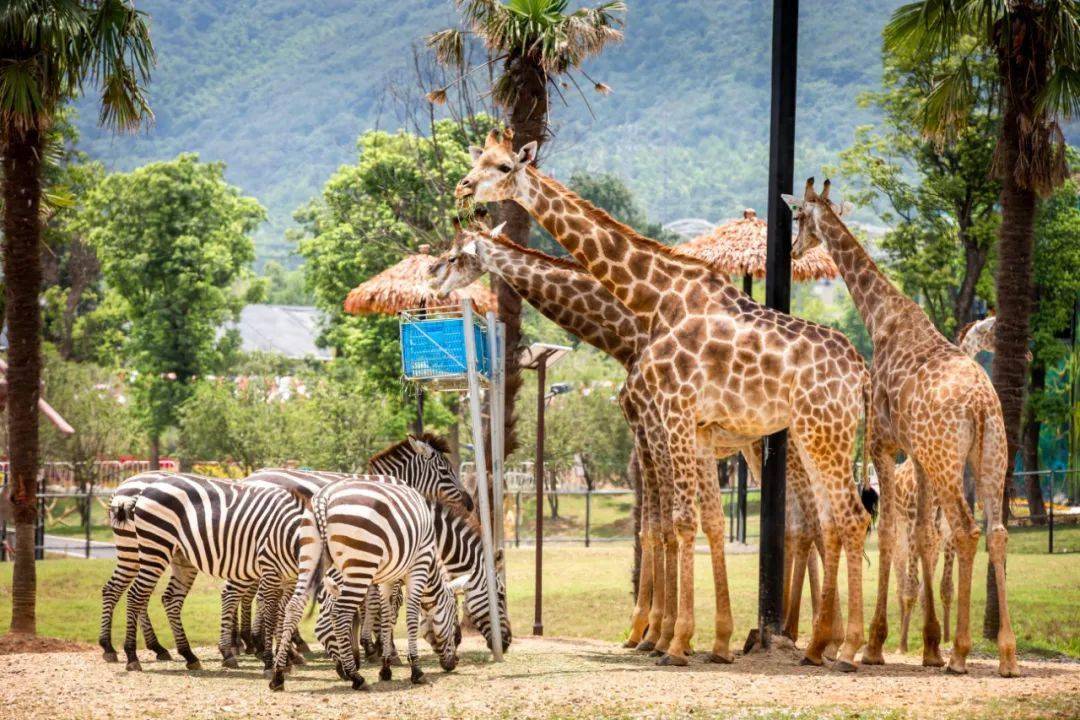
(22, 275)
(528, 120)
(155, 452)
(974, 262)
(1032, 426)
(1016, 243)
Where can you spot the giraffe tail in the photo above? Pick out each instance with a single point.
(867, 494)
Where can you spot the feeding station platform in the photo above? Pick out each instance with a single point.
(453, 348)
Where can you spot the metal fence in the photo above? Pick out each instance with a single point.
(1060, 521)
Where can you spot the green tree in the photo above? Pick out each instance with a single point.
(535, 44)
(48, 51)
(940, 199)
(284, 286)
(174, 241)
(1036, 44)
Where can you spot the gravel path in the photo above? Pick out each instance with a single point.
(541, 678)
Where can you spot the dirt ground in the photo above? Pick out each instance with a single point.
(541, 678)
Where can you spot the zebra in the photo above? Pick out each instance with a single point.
(460, 548)
(224, 529)
(372, 533)
(127, 566)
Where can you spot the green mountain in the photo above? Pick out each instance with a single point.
(280, 90)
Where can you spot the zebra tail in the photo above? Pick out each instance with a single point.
(317, 577)
(122, 512)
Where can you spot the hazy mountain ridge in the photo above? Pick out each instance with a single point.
(280, 91)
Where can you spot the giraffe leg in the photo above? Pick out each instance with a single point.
(682, 446)
(946, 589)
(885, 463)
(640, 619)
(800, 550)
(712, 522)
(925, 545)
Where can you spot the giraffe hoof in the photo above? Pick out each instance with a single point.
(656, 653)
(673, 660)
(194, 665)
(725, 659)
(111, 657)
(630, 644)
(277, 682)
(844, 666)
(231, 663)
(932, 661)
(807, 660)
(134, 666)
(872, 658)
(1009, 670)
(645, 646)
(950, 670)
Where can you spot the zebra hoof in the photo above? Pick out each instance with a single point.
(385, 674)
(277, 682)
(844, 666)
(417, 677)
(231, 663)
(110, 657)
(163, 655)
(134, 666)
(194, 665)
(358, 683)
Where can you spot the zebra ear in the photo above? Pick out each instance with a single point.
(420, 447)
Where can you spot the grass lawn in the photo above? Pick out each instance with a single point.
(586, 594)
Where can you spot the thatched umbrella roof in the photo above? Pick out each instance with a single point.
(737, 247)
(405, 286)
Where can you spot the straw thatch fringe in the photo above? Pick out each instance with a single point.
(738, 247)
(405, 286)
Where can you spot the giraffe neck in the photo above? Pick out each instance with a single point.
(625, 262)
(874, 296)
(566, 295)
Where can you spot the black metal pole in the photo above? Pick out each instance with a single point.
(778, 296)
(538, 470)
(588, 514)
(740, 506)
(419, 411)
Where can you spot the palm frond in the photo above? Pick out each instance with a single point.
(448, 46)
(1061, 95)
(949, 103)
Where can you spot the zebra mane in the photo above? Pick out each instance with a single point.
(403, 449)
(470, 519)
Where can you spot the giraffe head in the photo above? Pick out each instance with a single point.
(463, 263)
(498, 171)
(811, 214)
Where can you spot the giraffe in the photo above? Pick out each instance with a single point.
(723, 372)
(934, 403)
(975, 337)
(563, 292)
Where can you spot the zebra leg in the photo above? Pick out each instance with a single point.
(412, 622)
(345, 610)
(371, 609)
(150, 570)
(396, 599)
(122, 575)
(230, 598)
(269, 602)
(183, 576)
(297, 646)
(247, 602)
(324, 633)
(386, 623)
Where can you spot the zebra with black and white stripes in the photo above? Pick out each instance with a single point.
(423, 462)
(460, 548)
(243, 534)
(372, 533)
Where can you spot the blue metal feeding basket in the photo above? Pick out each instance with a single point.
(433, 345)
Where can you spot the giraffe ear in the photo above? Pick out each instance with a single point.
(527, 153)
(497, 230)
(792, 202)
(475, 152)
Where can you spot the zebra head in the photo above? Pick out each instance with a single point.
(445, 627)
(476, 603)
(421, 462)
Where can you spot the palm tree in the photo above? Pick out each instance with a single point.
(49, 49)
(1037, 47)
(535, 43)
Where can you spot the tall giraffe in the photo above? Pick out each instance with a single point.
(564, 293)
(934, 403)
(723, 371)
(975, 337)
